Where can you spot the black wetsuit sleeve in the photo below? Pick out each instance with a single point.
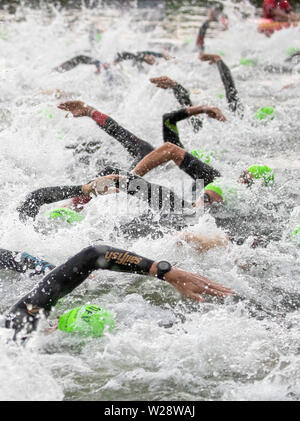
(183, 97)
(201, 35)
(230, 89)
(138, 57)
(125, 55)
(33, 202)
(149, 53)
(198, 170)
(23, 262)
(136, 147)
(170, 129)
(66, 277)
(73, 62)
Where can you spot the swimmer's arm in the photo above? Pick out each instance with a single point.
(181, 94)
(201, 35)
(33, 202)
(170, 130)
(201, 242)
(125, 55)
(227, 79)
(65, 278)
(73, 62)
(99, 186)
(155, 54)
(23, 262)
(189, 284)
(230, 89)
(165, 153)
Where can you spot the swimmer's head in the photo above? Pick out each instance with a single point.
(213, 193)
(265, 113)
(262, 172)
(89, 320)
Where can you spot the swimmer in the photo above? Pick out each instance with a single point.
(183, 97)
(46, 195)
(149, 57)
(135, 146)
(232, 96)
(215, 15)
(26, 313)
(23, 262)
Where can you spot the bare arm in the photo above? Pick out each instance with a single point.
(166, 152)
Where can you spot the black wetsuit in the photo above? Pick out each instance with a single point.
(138, 57)
(183, 97)
(234, 103)
(46, 195)
(232, 96)
(82, 59)
(75, 61)
(201, 35)
(204, 27)
(23, 262)
(139, 148)
(158, 197)
(62, 280)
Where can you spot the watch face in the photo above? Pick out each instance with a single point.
(164, 266)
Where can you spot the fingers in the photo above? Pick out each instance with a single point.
(195, 297)
(62, 106)
(188, 293)
(206, 286)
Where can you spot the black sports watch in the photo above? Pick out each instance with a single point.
(162, 268)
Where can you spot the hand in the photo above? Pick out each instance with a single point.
(149, 59)
(166, 56)
(211, 15)
(191, 285)
(212, 58)
(214, 112)
(103, 185)
(163, 82)
(77, 108)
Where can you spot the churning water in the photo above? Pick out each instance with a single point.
(164, 347)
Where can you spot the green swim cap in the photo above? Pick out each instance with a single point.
(296, 231)
(292, 50)
(264, 112)
(247, 61)
(65, 214)
(89, 320)
(202, 155)
(262, 171)
(214, 188)
(295, 236)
